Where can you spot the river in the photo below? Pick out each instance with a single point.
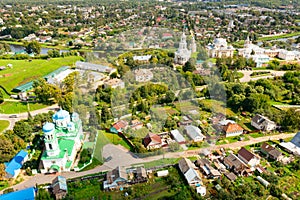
(18, 48)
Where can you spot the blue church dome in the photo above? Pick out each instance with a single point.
(61, 114)
(48, 127)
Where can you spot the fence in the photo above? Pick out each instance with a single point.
(92, 156)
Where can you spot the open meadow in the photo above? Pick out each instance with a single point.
(23, 71)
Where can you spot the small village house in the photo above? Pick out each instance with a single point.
(271, 151)
(262, 123)
(119, 126)
(116, 178)
(232, 130)
(194, 133)
(13, 167)
(177, 136)
(152, 141)
(59, 187)
(248, 157)
(232, 162)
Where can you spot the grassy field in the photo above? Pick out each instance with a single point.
(140, 133)
(279, 36)
(101, 142)
(24, 71)
(186, 106)
(3, 125)
(217, 107)
(162, 161)
(10, 107)
(106, 138)
(229, 140)
(115, 139)
(276, 103)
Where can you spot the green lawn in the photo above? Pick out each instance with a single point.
(256, 135)
(162, 161)
(101, 142)
(95, 163)
(217, 107)
(3, 125)
(247, 126)
(10, 107)
(115, 139)
(276, 103)
(229, 140)
(106, 138)
(279, 36)
(186, 106)
(24, 71)
(140, 133)
(240, 75)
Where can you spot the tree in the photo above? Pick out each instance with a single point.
(1, 98)
(170, 97)
(70, 43)
(45, 91)
(255, 102)
(43, 195)
(240, 63)
(2, 171)
(188, 66)
(174, 146)
(275, 191)
(53, 53)
(23, 129)
(6, 149)
(32, 47)
(202, 54)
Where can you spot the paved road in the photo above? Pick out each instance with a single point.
(123, 157)
(24, 115)
(247, 77)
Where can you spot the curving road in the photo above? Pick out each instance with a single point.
(247, 77)
(123, 157)
(24, 115)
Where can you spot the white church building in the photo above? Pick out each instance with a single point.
(63, 139)
(183, 54)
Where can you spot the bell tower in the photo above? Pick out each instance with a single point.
(51, 141)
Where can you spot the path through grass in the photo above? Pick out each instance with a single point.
(11, 107)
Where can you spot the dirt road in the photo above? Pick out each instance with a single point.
(122, 157)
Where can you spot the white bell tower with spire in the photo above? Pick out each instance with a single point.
(51, 141)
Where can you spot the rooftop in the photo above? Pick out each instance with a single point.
(26, 194)
(229, 128)
(247, 155)
(94, 67)
(177, 136)
(152, 138)
(16, 162)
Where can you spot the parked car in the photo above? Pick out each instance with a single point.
(13, 116)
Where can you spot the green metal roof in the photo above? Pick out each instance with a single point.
(28, 86)
(66, 145)
(23, 88)
(55, 72)
(63, 145)
(56, 167)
